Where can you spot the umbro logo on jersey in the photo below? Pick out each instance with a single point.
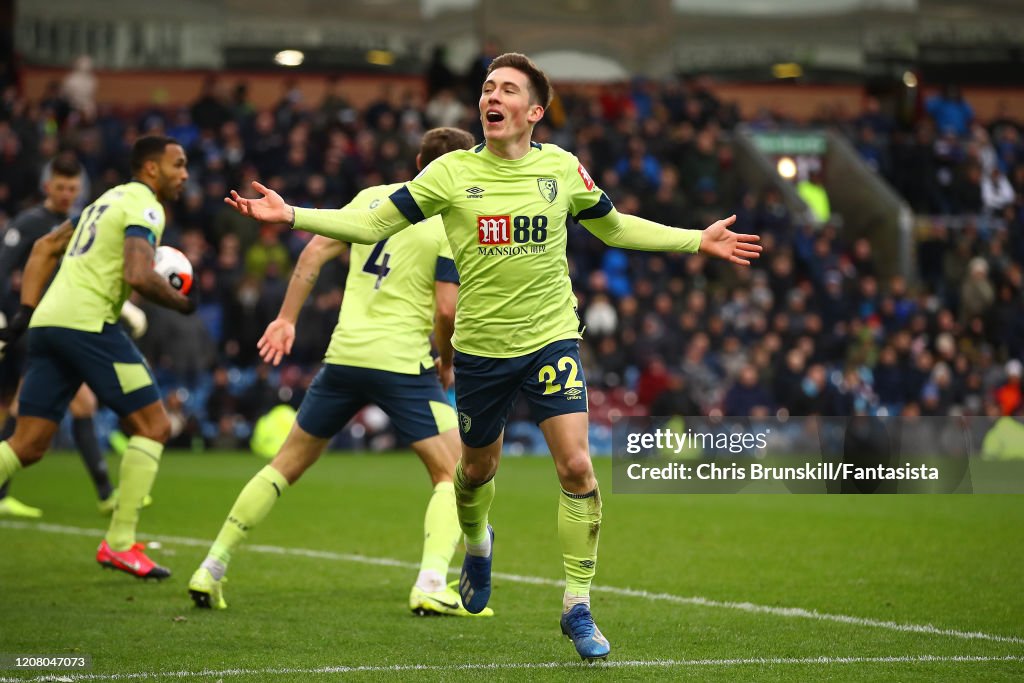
(573, 392)
(474, 192)
(548, 188)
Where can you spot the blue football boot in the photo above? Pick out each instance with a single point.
(578, 624)
(475, 581)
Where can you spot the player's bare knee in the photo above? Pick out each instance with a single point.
(576, 470)
(478, 472)
(30, 450)
(157, 429)
(293, 463)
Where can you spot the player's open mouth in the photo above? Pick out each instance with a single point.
(494, 117)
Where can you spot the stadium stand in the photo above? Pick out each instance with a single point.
(814, 328)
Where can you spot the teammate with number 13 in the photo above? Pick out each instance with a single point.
(73, 336)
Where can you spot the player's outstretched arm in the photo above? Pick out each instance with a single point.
(719, 241)
(347, 225)
(140, 276)
(631, 232)
(279, 336)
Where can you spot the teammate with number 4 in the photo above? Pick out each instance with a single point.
(505, 205)
(379, 353)
(73, 336)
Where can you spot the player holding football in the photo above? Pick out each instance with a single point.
(505, 205)
(62, 188)
(73, 336)
(379, 353)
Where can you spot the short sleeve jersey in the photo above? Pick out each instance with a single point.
(388, 310)
(89, 289)
(17, 240)
(506, 222)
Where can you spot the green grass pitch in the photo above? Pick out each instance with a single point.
(699, 587)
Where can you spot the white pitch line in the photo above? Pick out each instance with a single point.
(786, 612)
(579, 666)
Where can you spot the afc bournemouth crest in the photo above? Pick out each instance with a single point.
(548, 188)
(466, 422)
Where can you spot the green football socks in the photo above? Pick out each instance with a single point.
(139, 466)
(9, 463)
(474, 502)
(251, 508)
(579, 527)
(441, 534)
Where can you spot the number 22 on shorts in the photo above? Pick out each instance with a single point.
(547, 376)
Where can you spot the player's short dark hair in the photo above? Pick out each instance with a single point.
(540, 86)
(149, 147)
(66, 166)
(439, 141)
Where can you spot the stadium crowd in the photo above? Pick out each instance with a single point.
(813, 328)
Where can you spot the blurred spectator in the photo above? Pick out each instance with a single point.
(79, 88)
(817, 396)
(184, 427)
(477, 72)
(947, 155)
(1008, 395)
(969, 194)
(996, 191)
(873, 119)
(746, 397)
(871, 151)
(601, 318)
(977, 294)
(675, 399)
(444, 109)
(439, 76)
(950, 112)
(654, 381)
(267, 256)
(210, 110)
(699, 166)
(812, 191)
(334, 107)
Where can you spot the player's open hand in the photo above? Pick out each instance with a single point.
(719, 241)
(276, 341)
(269, 208)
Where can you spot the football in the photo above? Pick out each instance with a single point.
(175, 266)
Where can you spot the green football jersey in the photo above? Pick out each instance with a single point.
(506, 222)
(387, 314)
(89, 289)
